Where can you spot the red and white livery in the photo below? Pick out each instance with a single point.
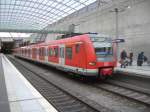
(86, 54)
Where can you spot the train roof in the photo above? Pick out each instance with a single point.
(101, 37)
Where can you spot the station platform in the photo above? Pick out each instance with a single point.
(17, 94)
(142, 71)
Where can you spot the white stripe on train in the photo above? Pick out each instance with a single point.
(82, 71)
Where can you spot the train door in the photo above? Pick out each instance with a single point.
(46, 53)
(61, 55)
(30, 56)
(37, 53)
(80, 56)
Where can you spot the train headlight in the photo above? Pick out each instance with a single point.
(92, 63)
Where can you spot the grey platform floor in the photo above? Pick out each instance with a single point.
(22, 96)
(4, 104)
(143, 70)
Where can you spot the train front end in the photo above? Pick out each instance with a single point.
(105, 55)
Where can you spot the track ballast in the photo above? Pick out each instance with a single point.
(60, 99)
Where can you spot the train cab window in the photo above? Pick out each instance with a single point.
(50, 52)
(55, 52)
(61, 54)
(103, 51)
(69, 52)
(77, 48)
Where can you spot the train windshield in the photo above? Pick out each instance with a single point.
(103, 51)
(103, 47)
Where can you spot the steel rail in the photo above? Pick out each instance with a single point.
(63, 100)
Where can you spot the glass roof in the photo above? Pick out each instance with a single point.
(36, 14)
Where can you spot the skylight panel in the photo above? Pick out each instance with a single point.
(41, 11)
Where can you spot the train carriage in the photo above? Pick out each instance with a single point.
(87, 54)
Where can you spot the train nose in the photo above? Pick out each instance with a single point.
(105, 71)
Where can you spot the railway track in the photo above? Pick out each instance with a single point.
(59, 98)
(130, 86)
(124, 90)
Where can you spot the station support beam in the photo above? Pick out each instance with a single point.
(33, 31)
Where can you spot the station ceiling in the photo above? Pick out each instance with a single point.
(37, 14)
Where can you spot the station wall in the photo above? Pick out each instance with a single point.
(134, 23)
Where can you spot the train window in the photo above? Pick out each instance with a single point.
(50, 52)
(55, 52)
(69, 52)
(100, 50)
(43, 51)
(39, 51)
(61, 52)
(25, 51)
(28, 51)
(103, 51)
(77, 48)
(21, 52)
(34, 51)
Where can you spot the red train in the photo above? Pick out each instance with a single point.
(85, 54)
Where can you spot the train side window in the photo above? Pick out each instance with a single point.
(69, 52)
(29, 51)
(77, 48)
(34, 51)
(22, 51)
(43, 51)
(55, 52)
(50, 52)
(25, 51)
(39, 51)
